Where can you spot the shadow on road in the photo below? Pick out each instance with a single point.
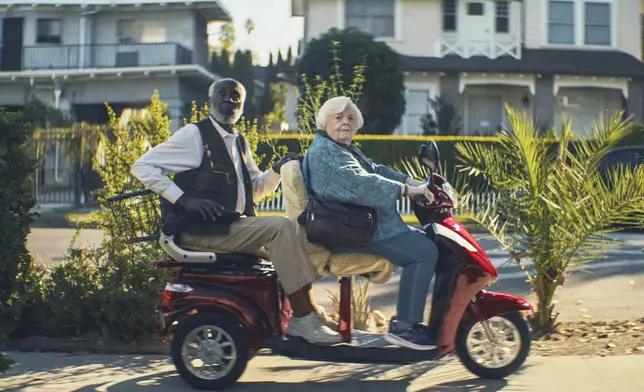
(113, 373)
(327, 377)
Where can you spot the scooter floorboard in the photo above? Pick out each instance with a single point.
(297, 348)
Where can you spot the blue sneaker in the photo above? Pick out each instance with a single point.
(414, 337)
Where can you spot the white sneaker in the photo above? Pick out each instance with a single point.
(311, 329)
(327, 320)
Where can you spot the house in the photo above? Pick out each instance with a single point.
(576, 59)
(79, 55)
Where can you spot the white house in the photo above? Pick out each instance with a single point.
(79, 55)
(577, 59)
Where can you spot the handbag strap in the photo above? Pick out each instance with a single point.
(353, 150)
(307, 180)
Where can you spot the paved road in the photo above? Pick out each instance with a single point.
(113, 373)
(611, 289)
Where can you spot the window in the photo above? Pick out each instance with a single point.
(417, 106)
(561, 22)
(475, 9)
(49, 31)
(597, 24)
(449, 15)
(502, 17)
(584, 106)
(130, 31)
(372, 16)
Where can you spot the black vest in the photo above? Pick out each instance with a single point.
(215, 179)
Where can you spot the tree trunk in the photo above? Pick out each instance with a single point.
(544, 318)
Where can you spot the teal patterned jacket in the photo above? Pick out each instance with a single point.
(337, 175)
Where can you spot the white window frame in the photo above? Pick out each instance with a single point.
(398, 36)
(430, 110)
(56, 23)
(580, 24)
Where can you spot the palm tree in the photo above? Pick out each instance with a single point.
(554, 203)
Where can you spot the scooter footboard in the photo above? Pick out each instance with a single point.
(489, 304)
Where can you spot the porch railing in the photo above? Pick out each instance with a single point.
(104, 56)
(487, 48)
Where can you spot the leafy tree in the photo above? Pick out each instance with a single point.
(243, 71)
(249, 25)
(383, 101)
(225, 67)
(214, 64)
(445, 120)
(316, 90)
(268, 99)
(227, 36)
(553, 201)
(239, 66)
(16, 200)
(289, 58)
(281, 63)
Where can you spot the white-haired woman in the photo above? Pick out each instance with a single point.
(341, 172)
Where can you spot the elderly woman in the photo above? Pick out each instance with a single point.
(341, 172)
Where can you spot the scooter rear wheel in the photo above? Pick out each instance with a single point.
(210, 351)
(494, 360)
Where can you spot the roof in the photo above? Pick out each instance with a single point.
(536, 61)
(214, 8)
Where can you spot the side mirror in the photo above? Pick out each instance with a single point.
(429, 155)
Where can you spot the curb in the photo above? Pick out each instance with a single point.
(80, 346)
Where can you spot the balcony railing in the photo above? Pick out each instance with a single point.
(488, 48)
(104, 56)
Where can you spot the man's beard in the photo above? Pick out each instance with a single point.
(222, 118)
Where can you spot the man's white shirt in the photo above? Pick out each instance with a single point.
(184, 151)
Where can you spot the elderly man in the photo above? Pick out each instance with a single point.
(210, 202)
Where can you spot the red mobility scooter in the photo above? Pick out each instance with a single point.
(222, 308)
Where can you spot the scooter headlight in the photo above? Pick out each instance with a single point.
(450, 192)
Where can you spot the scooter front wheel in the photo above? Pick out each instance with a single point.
(496, 347)
(210, 351)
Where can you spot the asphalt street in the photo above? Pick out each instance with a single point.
(608, 288)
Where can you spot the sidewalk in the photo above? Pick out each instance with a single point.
(113, 373)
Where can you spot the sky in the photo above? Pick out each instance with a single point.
(275, 29)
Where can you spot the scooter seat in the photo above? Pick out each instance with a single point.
(257, 254)
(227, 262)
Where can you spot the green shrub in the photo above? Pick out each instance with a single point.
(16, 201)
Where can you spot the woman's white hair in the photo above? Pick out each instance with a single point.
(334, 106)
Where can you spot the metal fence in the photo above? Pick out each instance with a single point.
(478, 202)
(62, 176)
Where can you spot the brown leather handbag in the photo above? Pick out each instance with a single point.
(332, 223)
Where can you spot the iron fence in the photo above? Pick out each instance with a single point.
(64, 174)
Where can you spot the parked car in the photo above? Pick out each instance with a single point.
(629, 154)
(633, 155)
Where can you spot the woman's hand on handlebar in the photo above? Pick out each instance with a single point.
(413, 182)
(422, 191)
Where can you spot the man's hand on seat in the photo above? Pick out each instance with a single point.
(208, 209)
(289, 156)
